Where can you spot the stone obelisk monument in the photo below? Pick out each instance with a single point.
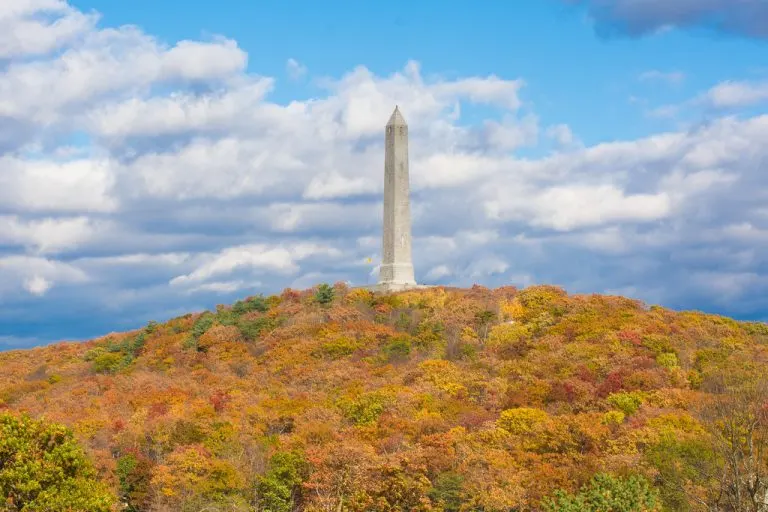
(396, 272)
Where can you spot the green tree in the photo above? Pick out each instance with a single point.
(257, 303)
(324, 294)
(279, 490)
(606, 493)
(447, 491)
(134, 472)
(42, 468)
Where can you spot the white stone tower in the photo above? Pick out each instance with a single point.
(396, 272)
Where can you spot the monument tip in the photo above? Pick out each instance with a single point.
(397, 118)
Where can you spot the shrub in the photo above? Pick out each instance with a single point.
(539, 302)
(257, 303)
(252, 329)
(430, 334)
(667, 360)
(43, 468)
(134, 473)
(398, 348)
(446, 491)
(522, 420)
(606, 493)
(93, 353)
(185, 433)
(108, 362)
(365, 409)
(324, 294)
(279, 490)
(657, 343)
(613, 418)
(503, 336)
(225, 316)
(202, 324)
(339, 347)
(627, 402)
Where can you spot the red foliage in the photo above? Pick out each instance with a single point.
(158, 409)
(762, 414)
(632, 337)
(613, 382)
(219, 400)
(324, 383)
(562, 392)
(290, 295)
(586, 374)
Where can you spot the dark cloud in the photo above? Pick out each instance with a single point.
(639, 17)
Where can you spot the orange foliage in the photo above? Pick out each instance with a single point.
(505, 394)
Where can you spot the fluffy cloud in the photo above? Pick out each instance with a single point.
(737, 94)
(140, 179)
(638, 17)
(36, 275)
(48, 235)
(49, 185)
(31, 27)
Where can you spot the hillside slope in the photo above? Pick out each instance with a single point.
(437, 399)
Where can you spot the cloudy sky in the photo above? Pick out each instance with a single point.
(158, 158)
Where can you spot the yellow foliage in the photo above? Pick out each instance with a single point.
(203, 429)
(611, 418)
(192, 469)
(468, 335)
(506, 334)
(434, 298)
(522, 420)
(218, 335)
(512, 310)
(672, 423)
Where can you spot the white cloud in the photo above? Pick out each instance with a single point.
(280, 259)
(36, 274)
(195, 60)
(487, 266)
(30, 27)
(567, 207)
(438, 272)
(109, 62)
(670, 77)
(153, 176)
(180, 112)
(223, 287)
(333, 184)
(37, 285)
(295, 69)
(737, 94)
(48, 235)
(47, 185)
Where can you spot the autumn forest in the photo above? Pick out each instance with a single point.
(335, 399)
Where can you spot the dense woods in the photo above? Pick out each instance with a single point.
(450, 400)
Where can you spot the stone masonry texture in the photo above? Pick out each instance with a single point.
(396, 266)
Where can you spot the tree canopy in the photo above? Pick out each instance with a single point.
(439, 399)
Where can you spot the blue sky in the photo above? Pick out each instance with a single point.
(162, 157)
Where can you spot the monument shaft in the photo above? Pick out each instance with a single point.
(397, 265)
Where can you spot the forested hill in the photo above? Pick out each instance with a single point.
(440, 399)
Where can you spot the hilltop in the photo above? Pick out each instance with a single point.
(440, 399)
